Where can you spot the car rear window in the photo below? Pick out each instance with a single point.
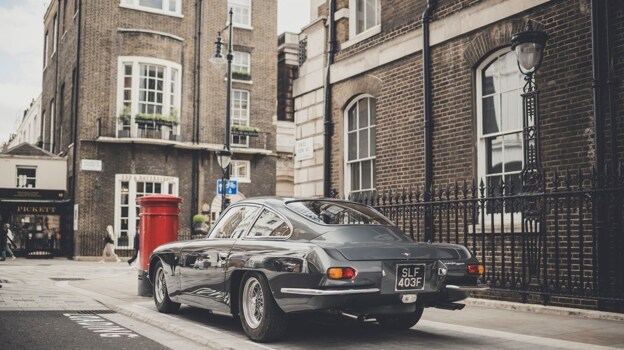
(337, 213)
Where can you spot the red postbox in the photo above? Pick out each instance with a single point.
(159, 224)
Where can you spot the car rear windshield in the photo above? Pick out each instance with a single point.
(337, 213)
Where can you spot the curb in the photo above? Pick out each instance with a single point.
(545, 309)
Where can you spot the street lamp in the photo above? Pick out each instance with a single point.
(529, 48)
(223, 158)
(225, 155)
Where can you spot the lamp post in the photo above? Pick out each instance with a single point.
(224, 156)
(529, 48)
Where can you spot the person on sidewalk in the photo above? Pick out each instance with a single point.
(10, 242)
(3, 242)
(109, 247)
(136, 249)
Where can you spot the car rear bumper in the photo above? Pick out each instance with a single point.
(316, 292)
(471, 288)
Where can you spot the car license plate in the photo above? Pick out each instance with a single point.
(410, 277)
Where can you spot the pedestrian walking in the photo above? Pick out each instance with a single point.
(136, 249)
(10, 242)
(109, 247)
(3, 242)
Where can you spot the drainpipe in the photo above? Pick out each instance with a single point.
(612, 84)
(196, 111)
(74, 135)
(598, 75)
(331, 49)
(428, 118)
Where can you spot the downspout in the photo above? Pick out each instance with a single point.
(331, 49)
(598, 74)
(56, 74)
(428, 118)
(74, 135)
(196, 110)
(612, 84)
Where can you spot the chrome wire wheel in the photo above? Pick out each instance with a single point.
(253, 302)
(161, 287)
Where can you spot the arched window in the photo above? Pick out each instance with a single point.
(499, 121)
(360, 119)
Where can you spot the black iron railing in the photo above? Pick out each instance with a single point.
(564, 242)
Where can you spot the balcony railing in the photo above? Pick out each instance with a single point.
(110, 127)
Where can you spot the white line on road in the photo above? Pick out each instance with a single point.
(558, 343)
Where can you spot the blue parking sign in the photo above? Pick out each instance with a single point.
(231, 187)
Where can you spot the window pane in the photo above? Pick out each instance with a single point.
(359, 16)
(371, 13)
(372, 111)
(488, 79)
(352, 140)
(363, 113)
(367, 179)
(509, 72)
(491, 115)
(355, 177)
(157, 4)
(373, 142)
(494, 150)
(352, 118)
(363, 146)
(512, 119)
(513, 152)
(269, 225)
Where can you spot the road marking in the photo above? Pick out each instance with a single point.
(101, 326)
(558, 343)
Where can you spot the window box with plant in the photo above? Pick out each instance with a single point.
(244, 130)
(241, 75)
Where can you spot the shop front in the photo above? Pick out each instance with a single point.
(41, 228)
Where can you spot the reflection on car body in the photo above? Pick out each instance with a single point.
(266, 258)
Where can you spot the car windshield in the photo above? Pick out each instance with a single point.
(337, 213)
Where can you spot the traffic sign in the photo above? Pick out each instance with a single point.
(231, 187)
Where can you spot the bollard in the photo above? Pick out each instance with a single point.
(159, 221)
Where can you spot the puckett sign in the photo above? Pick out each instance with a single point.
(32, 209)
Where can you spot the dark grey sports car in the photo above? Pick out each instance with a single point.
(266, 258)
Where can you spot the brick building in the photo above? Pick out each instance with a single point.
(362, 121)
(129, 96)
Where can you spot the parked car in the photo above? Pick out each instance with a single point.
(266, 258)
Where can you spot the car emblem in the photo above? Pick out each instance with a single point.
(405, 253)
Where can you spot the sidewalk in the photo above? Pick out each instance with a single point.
(115, 286)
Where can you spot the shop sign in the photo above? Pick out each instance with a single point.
(90, 165)
(22, 193)
(35, 209)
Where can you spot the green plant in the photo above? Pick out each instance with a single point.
(240, 72)
(167, 119)
(245, 128)
(199, 219)
(124, 116)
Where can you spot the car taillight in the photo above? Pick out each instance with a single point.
(475, 269)
(341, 273)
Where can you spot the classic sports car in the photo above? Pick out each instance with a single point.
(266, 258)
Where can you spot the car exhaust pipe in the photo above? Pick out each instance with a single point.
(450, 306)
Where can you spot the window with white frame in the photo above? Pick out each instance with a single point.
(26, 177)
(241, 63)
(148, 97)
(240, 115)
(129, 187)
(242, 12)
(45, 49)
(499, 122)
(239, 170)
(166, 7)
(55, 34)
(360, 138)
(364, 15)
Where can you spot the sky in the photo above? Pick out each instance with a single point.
(21, 52)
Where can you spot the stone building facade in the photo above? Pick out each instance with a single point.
(130, 97)
(375, 133)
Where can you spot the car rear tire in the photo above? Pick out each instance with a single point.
(400, 321)
(261, 318)
(161, 294)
